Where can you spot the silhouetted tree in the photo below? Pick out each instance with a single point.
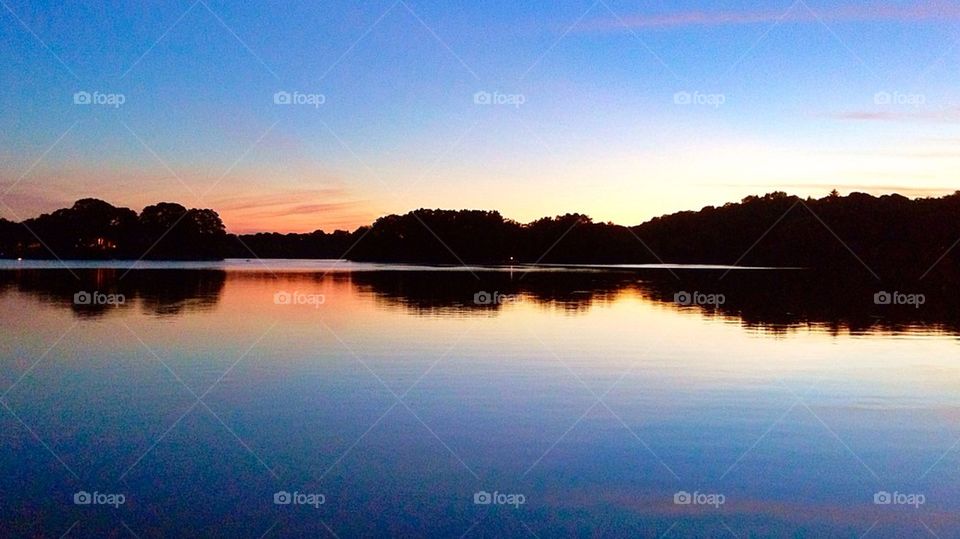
(171, 231)
(11, 239)
(94, 229)
(91, 228)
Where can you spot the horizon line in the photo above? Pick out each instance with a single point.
(945, 192)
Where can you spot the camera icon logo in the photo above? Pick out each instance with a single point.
(882, 498)
(682, 498)
(282, 98)
(82, 98)
(482, 98)
(682, 98)
(82, 298)
(483, 298)
(82, 498)
(883, 298)
(882, 98)
(683, 298)
(283, 298)
(282, 498)
(482, 498)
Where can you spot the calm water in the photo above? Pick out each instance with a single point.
(588, 401)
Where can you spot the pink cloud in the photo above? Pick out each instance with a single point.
(253, 209)
(301, 210)
(920, 11)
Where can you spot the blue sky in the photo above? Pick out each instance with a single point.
(622, 110)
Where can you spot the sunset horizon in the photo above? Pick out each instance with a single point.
(307, 218)
(669, 109)
(408, 268)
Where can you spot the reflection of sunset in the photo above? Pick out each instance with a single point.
(617, 328)
(722, 404)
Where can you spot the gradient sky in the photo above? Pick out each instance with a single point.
(784, 96)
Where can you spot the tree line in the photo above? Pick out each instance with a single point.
(94, 229)
(887, 236)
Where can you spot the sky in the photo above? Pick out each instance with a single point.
(293, 116)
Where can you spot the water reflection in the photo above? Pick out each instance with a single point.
(95, 293)
(402, 395)
(775, 302)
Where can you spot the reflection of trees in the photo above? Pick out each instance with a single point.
(781, 301)
(156, 292)
(198, 292)
(431, 292)
(768, 301)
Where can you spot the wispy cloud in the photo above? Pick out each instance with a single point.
(949, 115)
(253, 209)
(919, 11)
(301, 210)
(260, 201)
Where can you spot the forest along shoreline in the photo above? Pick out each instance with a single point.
(854, 237)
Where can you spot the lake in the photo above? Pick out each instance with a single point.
(319, 398)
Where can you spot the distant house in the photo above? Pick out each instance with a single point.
(105, 244)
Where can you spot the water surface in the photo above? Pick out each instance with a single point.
(400, 398)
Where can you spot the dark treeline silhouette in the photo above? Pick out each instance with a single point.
(94, 229)
(317, 244)
(891, 236)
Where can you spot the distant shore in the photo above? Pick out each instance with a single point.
(887, 237)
